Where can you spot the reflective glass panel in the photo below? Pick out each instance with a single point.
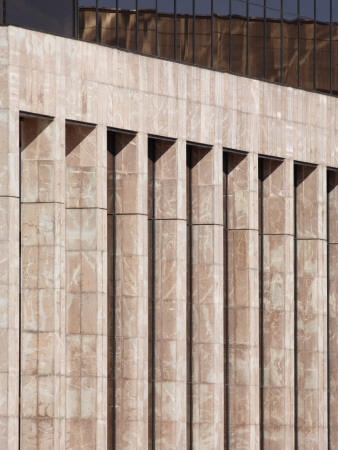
(238, 37)
(45, 15)
(335, 47)
(107, 21)
(256, 41)
(147, 26)
(291, 7)
(221, 34)
(203, 32)
(166, 29)
(127, 24)
(87, 20)
(184, 29)
(306, 8)
(323, 56)
(290, 50)
(274, 4)
(306, 56)
(273, 45)
(323, 10)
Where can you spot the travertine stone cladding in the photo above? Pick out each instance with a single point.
(51, 75)
(207, 299)
(42, 285)
(86, 287)
(243, 302)
(131, 320)
(278, 305)
(311, 307)
(170, 296)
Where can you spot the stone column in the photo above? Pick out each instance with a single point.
(131, 315)
(170, 295)
(243, 302)
(42, 282)
(278, 304)
(207, 297)
(9, 278)
(86, 259)
(311, 307)
(333, 304)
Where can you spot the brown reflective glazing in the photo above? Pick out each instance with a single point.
(290, 51)
(306, 56)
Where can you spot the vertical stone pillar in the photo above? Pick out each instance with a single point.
(42, 282)
(278, 304)
(207, 298)
(243, 302)
(9, 279)
(333, 304)
(86, 283)
(170, 295)
(311, 307)
(131, 316)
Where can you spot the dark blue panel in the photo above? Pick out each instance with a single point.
(165, 6)
(238, 7)
(323, 10)
(184, 7)
(127, 4)
(107, 4)
(221, 7)
(146, 4)
(256, 11)
(275, 4)
(46, 15)
(257, 2)
(290, 6)
(306, 9)
(203, 7)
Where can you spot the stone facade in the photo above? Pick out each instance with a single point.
(161, 284)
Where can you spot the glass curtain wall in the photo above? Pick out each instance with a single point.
(294, 42)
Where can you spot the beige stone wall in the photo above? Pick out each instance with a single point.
(74, 248)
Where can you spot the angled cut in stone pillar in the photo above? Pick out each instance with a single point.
(333, 303)
(311, 307)
(131, 314)
(168, 168)
(205, 325)
(9, 280)
(243, 302)
(277, 345)
(42, 282)
(86, 285)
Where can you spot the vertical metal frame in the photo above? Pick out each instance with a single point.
(193, 32)
(136, 5)
(298, 62)
(117, 23)
(247, 38)
(230, 12)
(97, 20)
(281, 41)
(175, 31)
(331, 47)
(212, 33)
(315, 45)
(264, 56)
(156, 28)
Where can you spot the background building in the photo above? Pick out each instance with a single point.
(168, 232)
